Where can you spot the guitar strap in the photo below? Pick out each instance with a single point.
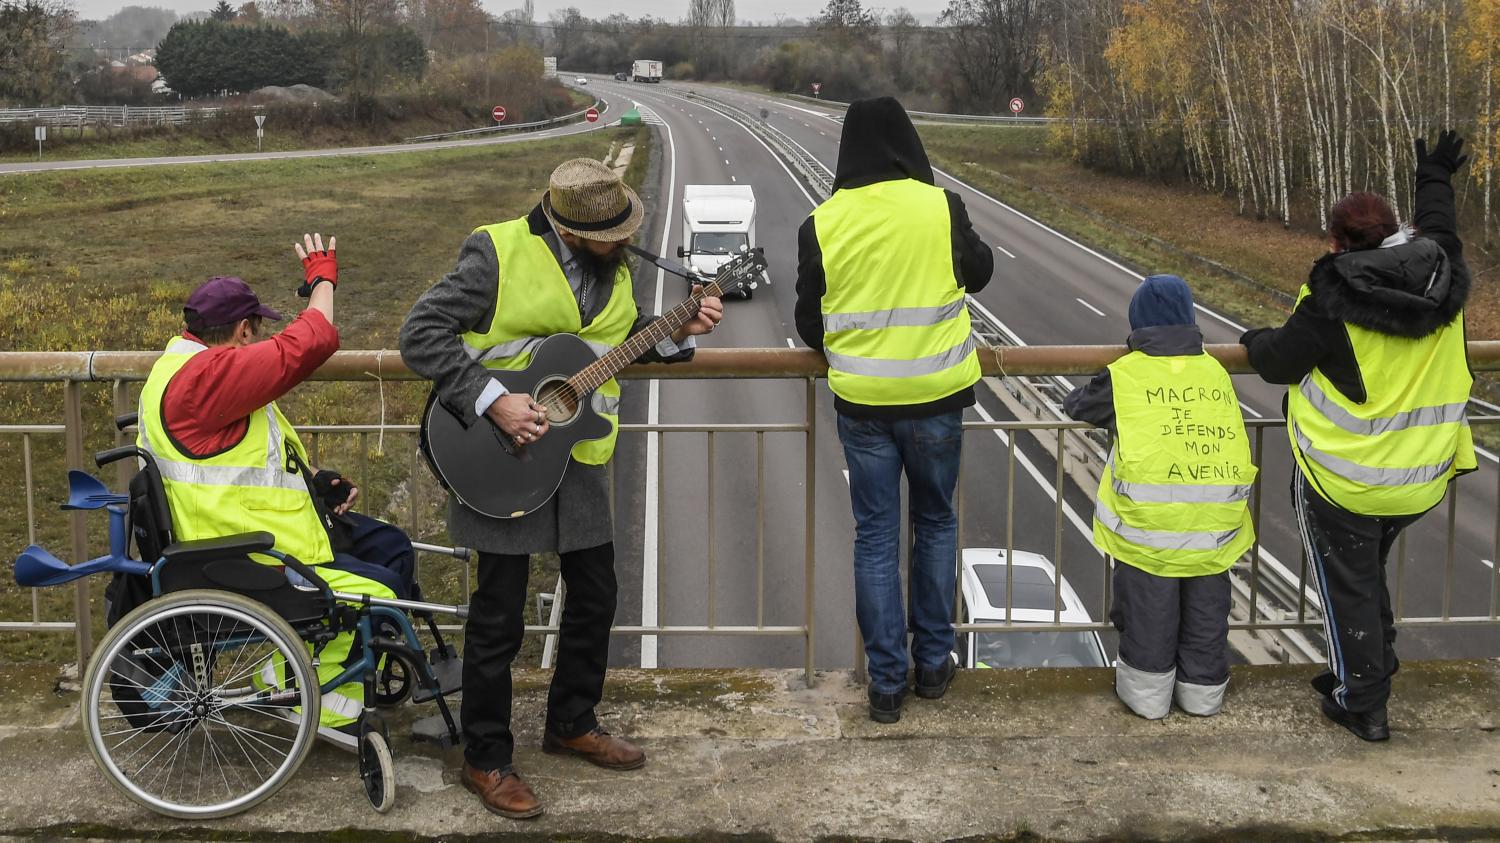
(668, 265)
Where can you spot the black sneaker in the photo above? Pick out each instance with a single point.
(932, 683)
(1366, 725)
(886, 708)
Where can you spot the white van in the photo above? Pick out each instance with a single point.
(718, 222)
(1033, 590)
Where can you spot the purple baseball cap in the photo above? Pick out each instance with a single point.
(223, 300)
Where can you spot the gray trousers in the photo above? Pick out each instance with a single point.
(1174, 641)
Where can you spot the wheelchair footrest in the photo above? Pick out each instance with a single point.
(449, 670)
(434, 731)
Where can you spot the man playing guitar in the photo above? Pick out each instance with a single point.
(558, 270)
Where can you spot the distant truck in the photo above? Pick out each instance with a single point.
(718, 221)
(645, 70)
(549, 66)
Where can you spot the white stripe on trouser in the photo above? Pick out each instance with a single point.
(1147, 694)
(1200, 700)
(1300, 489)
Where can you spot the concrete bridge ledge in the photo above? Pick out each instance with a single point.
(744, 754)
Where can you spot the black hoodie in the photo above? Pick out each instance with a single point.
(879, 143)
(1406, 290)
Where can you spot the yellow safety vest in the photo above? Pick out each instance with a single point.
(257, 484)
(1395, 453)
(895, 326)
(1173, 500)
(534, 302)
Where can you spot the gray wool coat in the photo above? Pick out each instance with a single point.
(577, 517)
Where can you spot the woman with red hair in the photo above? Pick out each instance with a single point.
(1377, 418)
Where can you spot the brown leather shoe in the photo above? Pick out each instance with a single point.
(597, 747)
(502, 792)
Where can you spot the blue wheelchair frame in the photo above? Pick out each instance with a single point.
(36, 567)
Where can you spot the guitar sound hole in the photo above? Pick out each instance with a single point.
(560, 401)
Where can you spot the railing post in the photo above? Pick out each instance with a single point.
(82, 616)
(810, 591)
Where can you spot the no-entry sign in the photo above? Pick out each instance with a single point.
(592, 115)
(498, 113)
(1016, 105)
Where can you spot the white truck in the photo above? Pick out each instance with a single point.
(718, 221)
(549, 66)
(645, 70)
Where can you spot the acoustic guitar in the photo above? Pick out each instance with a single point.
(481, 464)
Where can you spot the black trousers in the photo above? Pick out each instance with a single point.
(1173, 623)
(492, 637)
(1348, 553)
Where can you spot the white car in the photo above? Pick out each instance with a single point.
(1033, 590)
(582, 80)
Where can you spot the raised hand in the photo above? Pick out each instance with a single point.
(317, 263)
(1445, 154)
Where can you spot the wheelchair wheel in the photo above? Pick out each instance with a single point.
(396, 677)
(377, 770)
(186, 711)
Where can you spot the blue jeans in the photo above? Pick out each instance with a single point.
(877, 451)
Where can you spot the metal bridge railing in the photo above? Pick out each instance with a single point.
(777, 491)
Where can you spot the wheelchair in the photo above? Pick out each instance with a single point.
(203, 700)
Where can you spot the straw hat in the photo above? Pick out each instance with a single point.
(586, 198)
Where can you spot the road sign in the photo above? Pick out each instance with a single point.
(41, 133)
(260, 120)
(1016, 105)
(498, 113)
(592, 115)
(817, 86)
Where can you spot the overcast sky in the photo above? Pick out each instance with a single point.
(750, 10)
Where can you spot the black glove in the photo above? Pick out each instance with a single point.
(331, 495)
(1445, 154)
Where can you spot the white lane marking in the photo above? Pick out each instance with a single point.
(846, 475)
(732, 178)
(1247, 408)
(650, 544)
(721, 149)
(1096, 310)
(726, 162)
(1008, 253)
(1086, 530)
(1488, 564)
(774, 157)
(789, 343)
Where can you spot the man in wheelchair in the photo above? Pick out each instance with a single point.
(231, 462)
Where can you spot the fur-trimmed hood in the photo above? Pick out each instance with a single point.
(1408, 289)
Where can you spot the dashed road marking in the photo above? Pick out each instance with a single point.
(1008, 253)
(1096, 310)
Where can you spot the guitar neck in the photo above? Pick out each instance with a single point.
(600, 371)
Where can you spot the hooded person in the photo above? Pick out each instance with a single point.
(1377, 421)
(882, 270)
(1172, 508)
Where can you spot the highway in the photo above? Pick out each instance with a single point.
(1047, 289)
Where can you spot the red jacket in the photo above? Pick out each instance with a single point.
(207, 404)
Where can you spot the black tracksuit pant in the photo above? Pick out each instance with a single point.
(1348, 555)
(492, 637)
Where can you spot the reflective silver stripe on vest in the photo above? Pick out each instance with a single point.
(1369, 475)
(525, 345)
(877, 367)
(271, 476)
(1345, 420)
(899, 317)
(1175, 492)
(608, 405)
(1198, 540)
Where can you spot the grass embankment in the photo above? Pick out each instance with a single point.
(104, 259)
(1231, 260)
(286, 127)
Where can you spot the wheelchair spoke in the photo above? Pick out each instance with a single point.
(244, 746)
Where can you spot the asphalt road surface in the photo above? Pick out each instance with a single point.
(1048, 289)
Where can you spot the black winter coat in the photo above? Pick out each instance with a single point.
(1410, 290)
